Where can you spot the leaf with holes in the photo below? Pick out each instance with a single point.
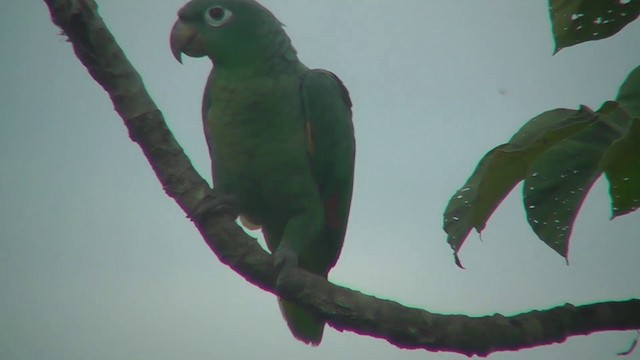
(558, 181)
(576, 21)
(622, 162)
(503, 167)
(622, 169)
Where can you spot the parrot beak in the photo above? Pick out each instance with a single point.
(179, 39)
(185, 39)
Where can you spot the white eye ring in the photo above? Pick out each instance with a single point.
(217, 16)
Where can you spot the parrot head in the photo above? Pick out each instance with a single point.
(229, 32)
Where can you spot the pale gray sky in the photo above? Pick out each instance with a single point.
(96, 262)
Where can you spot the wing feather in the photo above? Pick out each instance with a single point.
(331, 145)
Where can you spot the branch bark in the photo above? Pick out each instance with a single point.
(343, 309)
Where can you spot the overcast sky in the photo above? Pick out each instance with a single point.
(96, 262)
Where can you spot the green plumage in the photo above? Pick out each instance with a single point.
(280, 137)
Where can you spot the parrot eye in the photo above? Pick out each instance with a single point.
(217, 16)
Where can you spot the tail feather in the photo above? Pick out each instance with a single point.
(303, 325)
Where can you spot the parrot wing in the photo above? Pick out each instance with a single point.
(331, 147)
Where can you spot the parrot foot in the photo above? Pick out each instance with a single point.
(284, 260)
(215, 205)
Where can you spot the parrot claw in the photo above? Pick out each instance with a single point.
(284, 260)
(217, 204)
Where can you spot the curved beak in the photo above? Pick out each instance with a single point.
(182, 35)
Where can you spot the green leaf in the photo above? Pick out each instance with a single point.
(622, 168)
(629, 93)
(560, 178)
(622, 162)
(576, 21)
(559, 154)
(503, 167)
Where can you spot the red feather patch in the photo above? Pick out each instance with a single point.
(331, 215)
(310, 145)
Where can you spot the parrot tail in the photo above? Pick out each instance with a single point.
(303, 325)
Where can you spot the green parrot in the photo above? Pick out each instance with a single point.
(280, 137)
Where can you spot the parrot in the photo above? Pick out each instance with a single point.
(280, 138)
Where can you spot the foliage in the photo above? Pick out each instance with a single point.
(576, 21)
(559, 154)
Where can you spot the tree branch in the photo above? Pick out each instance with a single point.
(342, 308)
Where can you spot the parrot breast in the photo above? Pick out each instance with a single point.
(259, 149)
